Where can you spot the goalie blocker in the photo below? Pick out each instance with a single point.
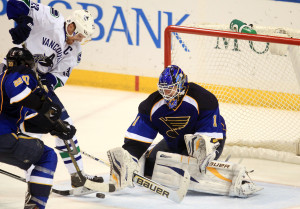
(223, 178)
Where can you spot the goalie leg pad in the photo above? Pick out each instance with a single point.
(223, 178)
(168, 171)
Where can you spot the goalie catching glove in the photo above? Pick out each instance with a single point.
(122, 167)
(204, 150)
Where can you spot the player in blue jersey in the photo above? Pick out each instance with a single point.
(189, 119)
(45, 31)
(20, 93)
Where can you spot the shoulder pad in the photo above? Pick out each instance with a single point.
(205, 99)
(146, 105)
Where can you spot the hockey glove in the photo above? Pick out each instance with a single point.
(21, 32)
(201, 149)
(122, 167)
(49, 80)
(210, 156)
(46, 62)
(49, 109)
(63, 131)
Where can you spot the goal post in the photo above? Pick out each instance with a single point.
(256, 80)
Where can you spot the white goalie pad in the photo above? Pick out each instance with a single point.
(223, 178)
(122, 167)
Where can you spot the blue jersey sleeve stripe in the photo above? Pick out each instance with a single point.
(191, 101)
(25, 137)
(32, 115)
(136, 137)
(21, 116)
(41, 180)
(212, 134)
(156, 106)
(138, 140)
(22, 95)
(14, 135)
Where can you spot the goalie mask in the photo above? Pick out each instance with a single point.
(19, 56)
(84, 24)
(172, 84)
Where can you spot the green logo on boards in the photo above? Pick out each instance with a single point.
(252, 46)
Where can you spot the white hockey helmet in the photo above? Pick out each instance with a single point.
(84, 23)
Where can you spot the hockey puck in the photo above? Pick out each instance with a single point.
(100, 195)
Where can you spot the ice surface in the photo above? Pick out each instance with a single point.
(101, 117)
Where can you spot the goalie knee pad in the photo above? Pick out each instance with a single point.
(223, 178)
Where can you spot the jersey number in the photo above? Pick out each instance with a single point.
(215, 121)
(24, 78)
(67, 72)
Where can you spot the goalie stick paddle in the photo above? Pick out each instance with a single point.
(174, 195)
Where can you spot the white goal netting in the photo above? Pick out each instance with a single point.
(258, 91)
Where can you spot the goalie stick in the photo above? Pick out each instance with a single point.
(175, 195)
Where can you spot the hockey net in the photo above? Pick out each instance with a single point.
(258, 91)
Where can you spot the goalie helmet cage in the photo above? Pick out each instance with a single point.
(258, 91)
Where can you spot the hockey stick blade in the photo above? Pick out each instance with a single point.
(99, 187)
(75, 191)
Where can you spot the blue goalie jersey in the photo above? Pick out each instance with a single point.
(197, 113)
(16, 85)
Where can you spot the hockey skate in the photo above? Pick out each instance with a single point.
(77, 182)
(28, 203)
(30, 206)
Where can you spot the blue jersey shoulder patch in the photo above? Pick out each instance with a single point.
(54, 12)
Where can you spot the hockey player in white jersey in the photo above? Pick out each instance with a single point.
(194, 134)
(45, 32)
